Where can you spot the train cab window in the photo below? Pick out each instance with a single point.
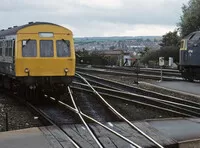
(195, 37)
(46, 48)
(29, 48)
(182, 44)
(192, 36)
(63, 48)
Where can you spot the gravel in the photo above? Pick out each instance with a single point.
(131, 111)
(19, 116)
(134, 112)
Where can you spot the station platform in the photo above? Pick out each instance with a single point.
(171, 133)
(188, 88)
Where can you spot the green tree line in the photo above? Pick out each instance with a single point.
(170, 44)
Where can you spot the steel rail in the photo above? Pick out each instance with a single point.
(129, 68)
(97, 122)
(122, 117)
(49, 120)
(179, 105)
(44, 116)
(144, 76)
(86, 125)
(141, 70)
(132, 89)
(138, 102)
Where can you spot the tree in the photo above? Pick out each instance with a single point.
(190, 19)
(146, 49)
(147, 40)
(112, 47)
(169, 48)
(170, 39)
(166, 52)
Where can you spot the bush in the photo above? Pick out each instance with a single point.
(166, 52)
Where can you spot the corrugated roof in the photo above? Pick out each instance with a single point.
(15, 29)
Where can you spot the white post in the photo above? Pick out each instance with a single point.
(161, 63)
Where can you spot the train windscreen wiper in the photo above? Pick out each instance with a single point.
(66, 42)
(26, 42)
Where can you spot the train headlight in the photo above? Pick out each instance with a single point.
(26, 70)
(66, 70)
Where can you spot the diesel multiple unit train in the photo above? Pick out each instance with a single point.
(38, 54)
(190, 56)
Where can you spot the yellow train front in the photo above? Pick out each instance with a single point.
(37, 54)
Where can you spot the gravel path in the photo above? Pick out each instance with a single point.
(19, 116)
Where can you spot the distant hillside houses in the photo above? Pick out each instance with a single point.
(127, 44)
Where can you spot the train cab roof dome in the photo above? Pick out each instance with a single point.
(15, 29)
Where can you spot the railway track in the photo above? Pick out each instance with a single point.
(51, 120)
(141, 96)
(107, 91)
(145, 74)
(76, 109)
(155, 71)
(118, 114)
(169, 106)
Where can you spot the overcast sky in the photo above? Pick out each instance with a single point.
(96, 17)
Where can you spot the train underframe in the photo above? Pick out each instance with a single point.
(34, 88)
(190, 73)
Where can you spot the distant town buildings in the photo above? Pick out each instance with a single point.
(121, 52)
(129, 45)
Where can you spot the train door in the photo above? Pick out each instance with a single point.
(183, 53)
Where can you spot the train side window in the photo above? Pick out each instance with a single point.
(7, 48)
(63, 48)
(29, 48)
(46, 48)
(13, 52)
(10, 48)
(1, 48)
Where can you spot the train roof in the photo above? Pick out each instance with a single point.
(15, 29)
(191, 34)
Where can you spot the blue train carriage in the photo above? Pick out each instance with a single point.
(190, 56)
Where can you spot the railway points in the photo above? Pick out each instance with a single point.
(125, 136)
(145, 133)
(169, 132)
